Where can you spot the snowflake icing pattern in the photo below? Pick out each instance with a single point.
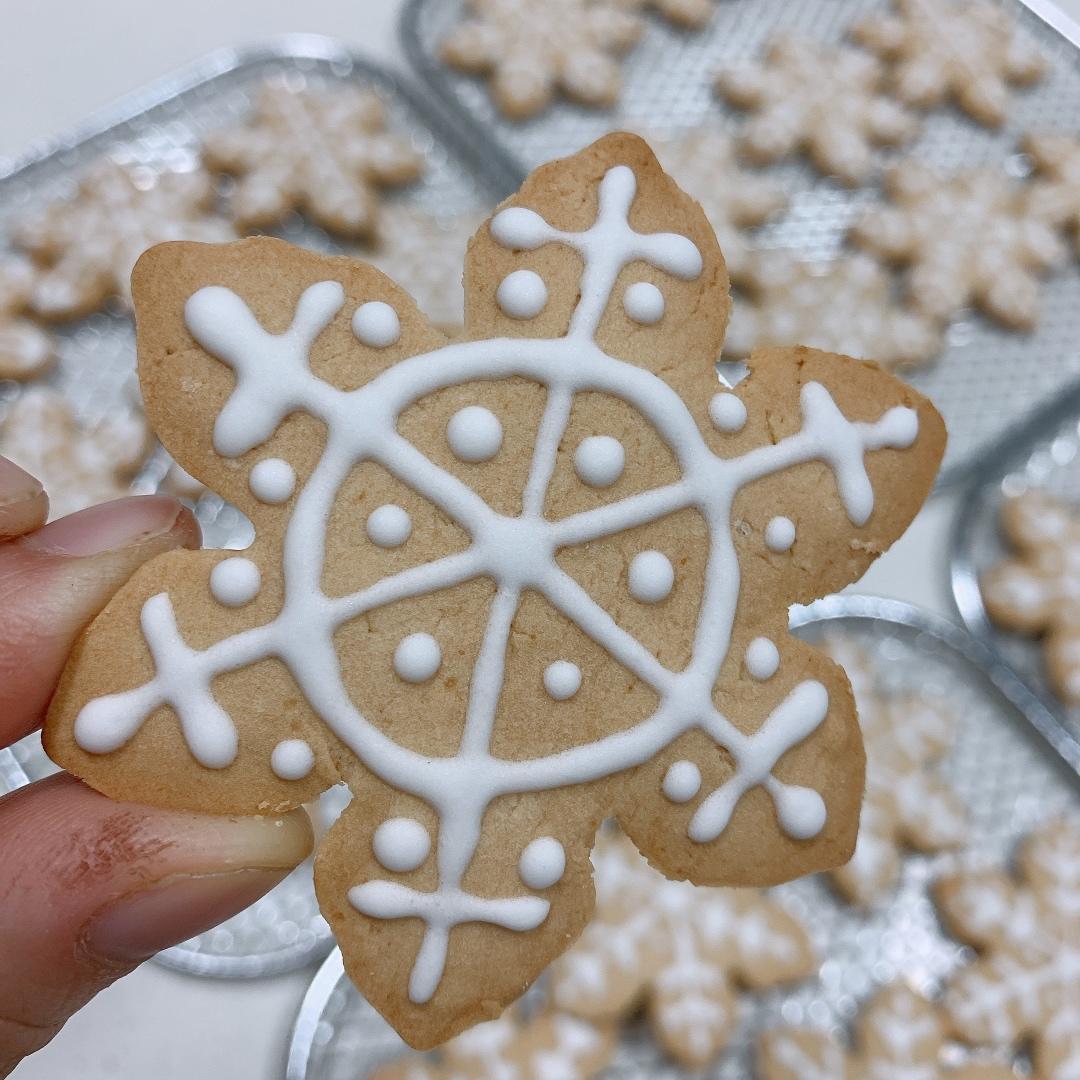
(463, 780)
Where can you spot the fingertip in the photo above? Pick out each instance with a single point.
(24, 506)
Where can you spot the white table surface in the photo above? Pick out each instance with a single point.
(59, 61)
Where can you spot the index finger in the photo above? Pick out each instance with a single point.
(24, 506)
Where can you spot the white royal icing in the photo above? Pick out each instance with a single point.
(762, 659)
(780, 534)
(272, 481)
(599, 460)
(644, 303)
(274, 379)
(522, 294)
(389, 526)
(651, 577)
(376, 324)
(727, 412)
(417, 658)
(562, 680)
(682, 781)
(474, 434)
(542, 863)
(292, 759)
(401, 844)
(235, 582)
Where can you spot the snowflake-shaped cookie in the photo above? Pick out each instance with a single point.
(703, 163)
(79, 466)
(1055, 193)
(325, 152)
(692, 14)
(495, 585)
(530, 51)
(1026, 983)
(551, 1046)
(968, 52)
(825, 101)
(968, 238)
(680, 948)
(906, 802)
(89, 243)
(1037, 590)
(25, 349)
(898, 1036)
(844, 306)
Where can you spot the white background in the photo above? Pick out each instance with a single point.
(59, 61)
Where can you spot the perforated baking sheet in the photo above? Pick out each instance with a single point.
(988, 379)
(160, 128)
(1002, 768)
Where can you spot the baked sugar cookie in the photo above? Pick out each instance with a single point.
(1055, 191)
(503, 587)
(26, 350)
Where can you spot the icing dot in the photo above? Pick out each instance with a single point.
(762, 659)
(235, 582)
(522, 294)
(682, 781)
(780, 534)
(474, 434)
(651, 577)
(727, 412)
(562, 680)
(272, 480)
(292, 759)
(389, 526)
(644, 303)
(599, 460)
(376, 324)
(401, 844)
(542, 863)
(519, 227)
(417, 658)
(801, 810)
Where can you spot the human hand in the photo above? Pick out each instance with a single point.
(90, 888)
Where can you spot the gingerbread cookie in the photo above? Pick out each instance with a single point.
(822, 100)
(703, 163)
(550, 1046)
(969, 238)
(845, 306)
(1036, 591)
(496, 582)
(680, 949)
(25, 349)
(1025, 986)
(78, 465)
(968, 53)
(88, 243)
(531, 51)
(325, 152)
(906, 804)
(1055, 193)
(898, 1036)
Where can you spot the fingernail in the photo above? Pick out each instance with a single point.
(109, 527)
(142, 924)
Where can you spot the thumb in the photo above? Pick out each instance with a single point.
(91, 888)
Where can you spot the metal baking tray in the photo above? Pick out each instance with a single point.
(1043, 454)
(988, 379)
(161, 127)
(1001, 766)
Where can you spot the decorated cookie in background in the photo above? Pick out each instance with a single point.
(970, 238)
(907, 804)
(898, 1036)
(88, 243)
(1036, 590)
(969, 53)
(425, 257)
(1055, 191)
(1025, 987)
(25, 349)
(78, 465)
(690, 14)
(532, 51)
(680, 949)
(503, 587)
(551, 1046)
(826, 101)
(325, 152)
(703, 163)
(845, 306)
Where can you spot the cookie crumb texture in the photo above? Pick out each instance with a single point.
(433, 668)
